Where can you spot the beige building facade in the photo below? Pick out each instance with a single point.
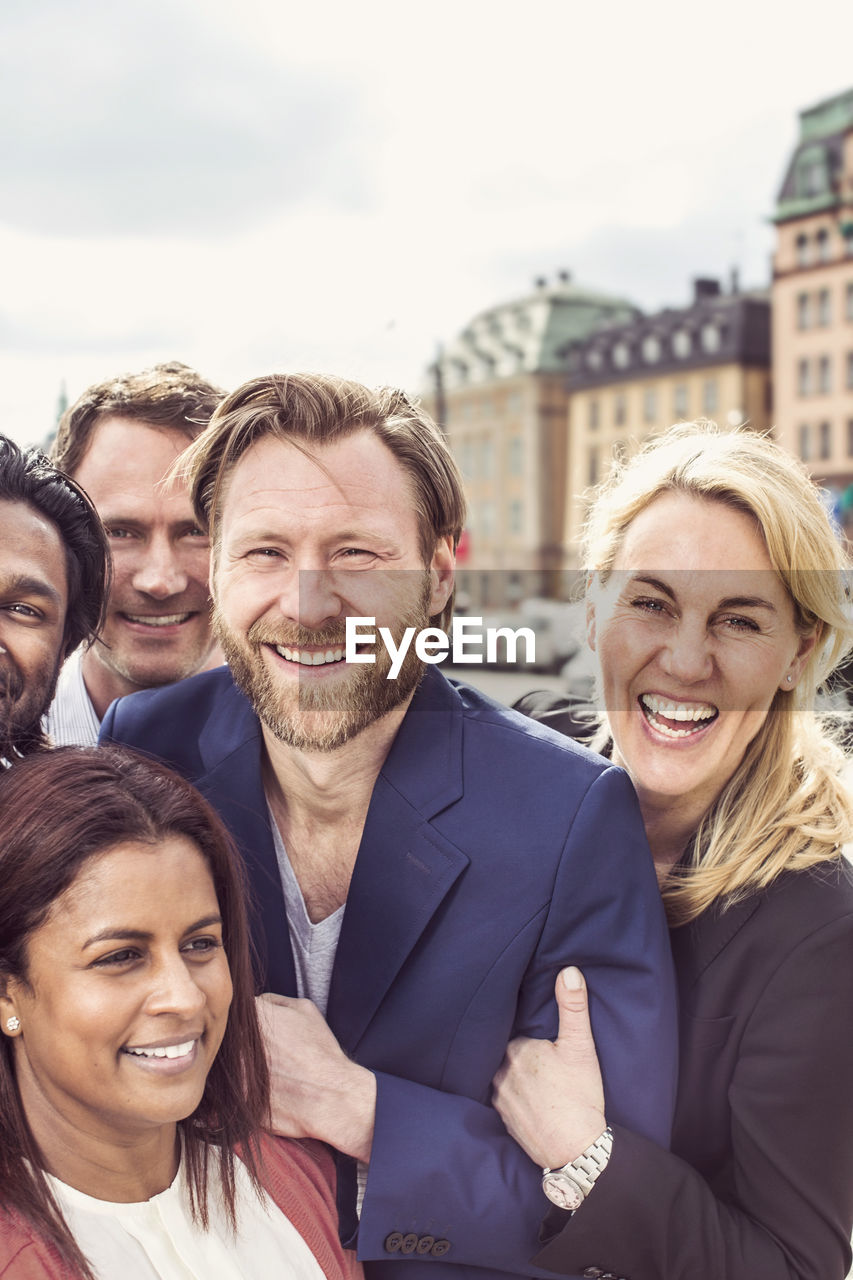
(710, 359)
(813, 296)
(500, 394)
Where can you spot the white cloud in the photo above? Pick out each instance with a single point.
(265, 184)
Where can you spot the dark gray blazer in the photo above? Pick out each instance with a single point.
(760, 1182)
(759, 1185)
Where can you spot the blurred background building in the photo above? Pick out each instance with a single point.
(501, 394)
(813, 297)
(538, 394)
(710, 359)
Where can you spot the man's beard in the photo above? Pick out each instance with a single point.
(22, 706)
(339, 710)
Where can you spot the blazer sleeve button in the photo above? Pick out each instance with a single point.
(440, 1248)
(425, 1244)
(393, 1242)
(410, 1243)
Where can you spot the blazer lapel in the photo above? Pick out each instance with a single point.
(231, 748)
(697, 944)
(404, 868)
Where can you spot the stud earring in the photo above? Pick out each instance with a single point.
(13, 1024)
(790, 679)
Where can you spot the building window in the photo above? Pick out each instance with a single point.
(848, 301)
(515, 518)
(804, 380)
(513, 403)
(515, 461)
(621, 355)
(620, 409)
(811, 172)
(848, 378)
(803, 311)
(681, 343)
(824, 376)
(679, 401)
(487, 459)
(825, 439)
(651, 349)
(804, 442)
(487, 519)
(850, 437)
(822, 245)
(592, 467)
(710, 337)
(466, 459)
(802, 250)
(593, 415)
(650, 405)
(823, 317)
(710, 399)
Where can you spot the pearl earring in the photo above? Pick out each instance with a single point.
(790, 679)
(13, 1024)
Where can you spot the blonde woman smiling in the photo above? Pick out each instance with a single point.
(716, 607)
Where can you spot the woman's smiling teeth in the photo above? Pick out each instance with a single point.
(658, 711)
(163, 1051)
(307, 658)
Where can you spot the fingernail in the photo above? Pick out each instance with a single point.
(572, 978)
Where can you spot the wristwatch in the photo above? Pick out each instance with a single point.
(569, 1186)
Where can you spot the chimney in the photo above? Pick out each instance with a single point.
(734, 288)
(564, 276)
(705, 287)
(541, 282)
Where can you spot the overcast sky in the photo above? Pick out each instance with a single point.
(270, 186)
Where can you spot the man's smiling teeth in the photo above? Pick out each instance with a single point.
(167, 1051)
(167, 620)
(695, 712)
(309, 659)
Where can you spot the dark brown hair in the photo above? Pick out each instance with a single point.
(168, 396)
(58, 810)
(310, 409)
(28, 476)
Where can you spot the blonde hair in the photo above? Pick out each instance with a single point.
(785, 807)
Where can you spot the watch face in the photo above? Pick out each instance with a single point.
(562, 1190)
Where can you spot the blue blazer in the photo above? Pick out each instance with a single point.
(493, 854)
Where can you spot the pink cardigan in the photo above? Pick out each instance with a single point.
(300, 1179)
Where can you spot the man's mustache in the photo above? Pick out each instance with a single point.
(296, 636)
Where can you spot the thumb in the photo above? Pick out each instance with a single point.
(574, 1031)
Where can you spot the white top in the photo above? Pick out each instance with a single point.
(157, 1239)
(71, 720)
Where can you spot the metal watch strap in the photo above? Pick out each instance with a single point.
(589, 1164)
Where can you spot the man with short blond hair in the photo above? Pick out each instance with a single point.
(119, 441)
(424, 861)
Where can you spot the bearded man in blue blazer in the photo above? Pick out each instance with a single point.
(423, 862)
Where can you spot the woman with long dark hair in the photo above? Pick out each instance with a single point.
(133, 1081)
